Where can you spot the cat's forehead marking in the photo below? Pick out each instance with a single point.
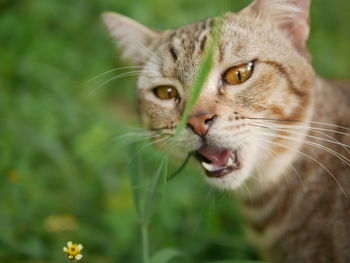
(185, 47)
(188, 38)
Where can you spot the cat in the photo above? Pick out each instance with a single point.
(264, 121)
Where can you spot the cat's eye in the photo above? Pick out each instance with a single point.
(166, 92)
(239, 74)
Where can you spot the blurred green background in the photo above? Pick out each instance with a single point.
(64, 176)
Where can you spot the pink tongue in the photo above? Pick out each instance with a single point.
(217, 157)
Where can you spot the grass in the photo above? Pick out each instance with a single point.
(65, 178)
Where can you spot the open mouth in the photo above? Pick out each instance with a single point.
(218, 162)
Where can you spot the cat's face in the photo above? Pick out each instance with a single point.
(260, 74)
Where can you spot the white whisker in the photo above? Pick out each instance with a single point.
(113, 70)
(287, 129)
(317, 145)
(291, 166)
(138, 47)
(149, 144)
(310, 157)
(126, 74)
(310, 122)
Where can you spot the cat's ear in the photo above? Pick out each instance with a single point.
(291, 15)
(130, 35)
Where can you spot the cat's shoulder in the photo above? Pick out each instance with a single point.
(342, 86)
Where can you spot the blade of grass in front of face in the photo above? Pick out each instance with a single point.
(180, 169)
(165, 174)
(202, 74)
(154, 193)
(136, 180)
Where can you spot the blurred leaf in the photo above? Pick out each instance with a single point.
(236, 261)
(168, 254)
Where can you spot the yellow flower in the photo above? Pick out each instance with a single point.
(73, 250)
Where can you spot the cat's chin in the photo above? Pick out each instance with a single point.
(232, 180)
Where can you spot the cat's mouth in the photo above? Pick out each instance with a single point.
(218, 162)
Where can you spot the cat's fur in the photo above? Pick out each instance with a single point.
(298, 205)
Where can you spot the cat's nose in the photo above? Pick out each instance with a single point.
(200, 123)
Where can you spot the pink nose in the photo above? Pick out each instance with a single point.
(200, 124)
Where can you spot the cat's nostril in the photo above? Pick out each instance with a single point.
(200, 124)
(207, 121)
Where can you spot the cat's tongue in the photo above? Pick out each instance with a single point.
(217, 157)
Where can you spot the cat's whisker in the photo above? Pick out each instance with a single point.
(113, 70)
(143, 138)
(122, 75)
(259, 170)
(126, 74)
(291, 166)
(307, 156)
(164, 139)
(208, 197)
(133, 134)
(138, 47)
(138, 133)
(319, 146)
(287, 129)
(344, 146)
(244, 188)
(307, 128)
(161, 128)
(307, 122)
(334, 141)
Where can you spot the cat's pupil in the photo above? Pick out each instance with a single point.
(239, 76)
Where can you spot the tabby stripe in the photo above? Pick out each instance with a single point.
(284, 72)
(173, 53)
(298, 113)
(203, 42)
(286, 196)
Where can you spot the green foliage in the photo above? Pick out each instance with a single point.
(166, 255)
(236, 261)
(65, 176)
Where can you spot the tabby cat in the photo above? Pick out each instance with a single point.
(264, 121)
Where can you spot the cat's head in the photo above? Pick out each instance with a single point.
(260, 82)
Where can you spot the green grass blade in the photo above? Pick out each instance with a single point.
(136, 179)
(197, 88)
(153, 195)
(202, 75)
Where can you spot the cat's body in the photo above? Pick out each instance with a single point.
(305, 218)
(263, 120)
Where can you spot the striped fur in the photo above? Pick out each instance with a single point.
(288, 124)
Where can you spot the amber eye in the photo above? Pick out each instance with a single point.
(166, 92)
(239, 74)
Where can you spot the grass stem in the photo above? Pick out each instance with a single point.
(145, 243)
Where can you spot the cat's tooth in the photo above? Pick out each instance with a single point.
(229, 162)
(211, 167)
(208, 166)
(235, 165)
